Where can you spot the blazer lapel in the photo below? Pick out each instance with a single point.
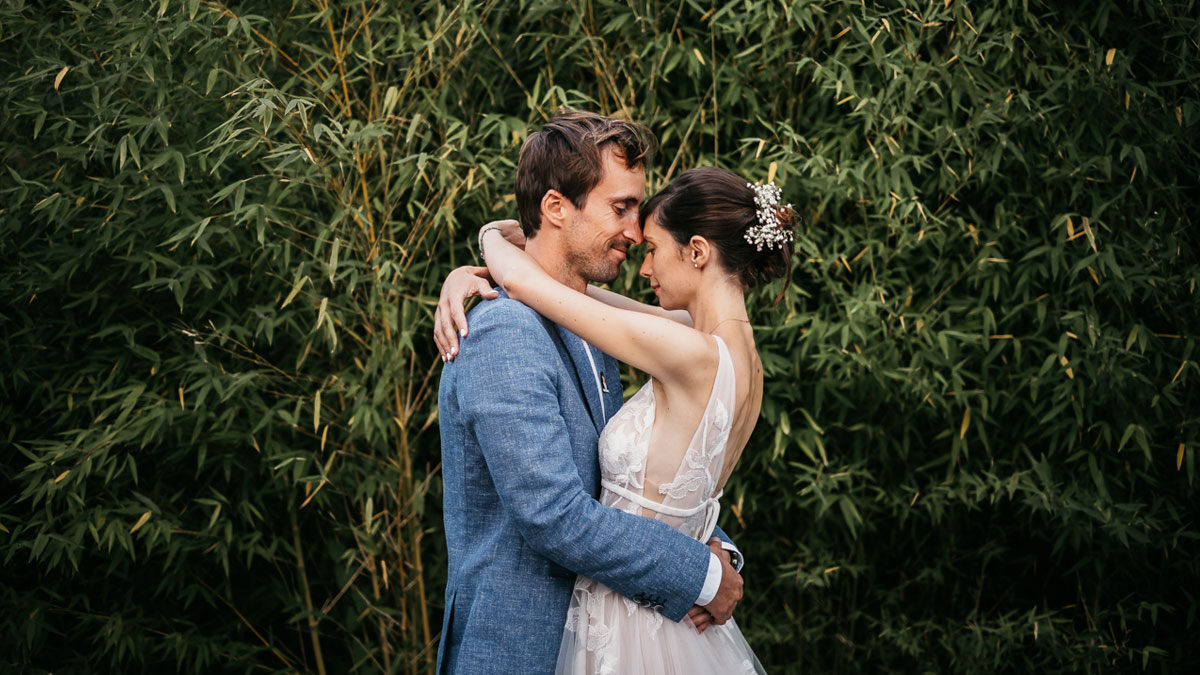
(583, 373)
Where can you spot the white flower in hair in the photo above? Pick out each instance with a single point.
(769, 231)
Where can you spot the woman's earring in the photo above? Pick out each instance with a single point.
(696, 265)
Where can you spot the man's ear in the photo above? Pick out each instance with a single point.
(699, 250)
(555, 207)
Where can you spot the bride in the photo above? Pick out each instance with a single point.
(669, 450)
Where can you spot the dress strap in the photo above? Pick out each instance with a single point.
(711, 506)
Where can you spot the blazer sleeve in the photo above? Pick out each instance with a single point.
(508, 396)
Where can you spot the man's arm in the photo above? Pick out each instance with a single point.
(513, 409)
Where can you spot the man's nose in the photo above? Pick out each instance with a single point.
(633, 232)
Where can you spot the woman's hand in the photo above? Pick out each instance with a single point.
(461, 284)
(511, 230)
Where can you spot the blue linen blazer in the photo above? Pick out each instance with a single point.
(520, 415)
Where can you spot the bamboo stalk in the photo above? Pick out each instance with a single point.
(308, 603)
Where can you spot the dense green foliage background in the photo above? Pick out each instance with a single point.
(222, 226)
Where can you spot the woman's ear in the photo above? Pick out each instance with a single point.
(699, 249)
(554, 208)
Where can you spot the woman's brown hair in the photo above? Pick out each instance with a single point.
(719, 205)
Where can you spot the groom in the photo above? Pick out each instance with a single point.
(521, 407)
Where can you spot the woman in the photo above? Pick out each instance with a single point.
(709, 235)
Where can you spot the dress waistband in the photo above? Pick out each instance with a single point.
(710, 506)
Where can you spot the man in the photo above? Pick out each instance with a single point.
(521, 408)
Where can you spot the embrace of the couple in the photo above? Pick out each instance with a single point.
(581, 529)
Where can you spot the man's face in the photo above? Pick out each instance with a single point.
(599, 235)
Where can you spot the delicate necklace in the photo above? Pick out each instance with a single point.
(714, 328)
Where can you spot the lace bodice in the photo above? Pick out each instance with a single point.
(689, 500)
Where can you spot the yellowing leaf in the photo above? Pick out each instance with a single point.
(140, 522)
(295, 289)
(321, 311)
(1179, 457)
(1108, 58)
(1063, 360)
(966, 422)
(699, 56)
(62, 476)
(59, 78)
(1087, 229)
(317, 412)
(771, 171)
(1070, 374)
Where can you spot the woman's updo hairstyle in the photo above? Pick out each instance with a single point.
(718, 205)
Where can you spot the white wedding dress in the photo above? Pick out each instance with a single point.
(609, 634)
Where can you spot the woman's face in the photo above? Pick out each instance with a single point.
(667, 266)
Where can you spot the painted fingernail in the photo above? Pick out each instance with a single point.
(454, 351)
(445, 358)
(462, 333)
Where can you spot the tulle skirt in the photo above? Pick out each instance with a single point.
(608, 634)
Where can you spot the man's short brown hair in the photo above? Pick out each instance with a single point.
(566, 155)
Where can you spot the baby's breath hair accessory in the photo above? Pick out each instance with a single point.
(769, 231)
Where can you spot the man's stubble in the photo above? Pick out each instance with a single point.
(591, 265)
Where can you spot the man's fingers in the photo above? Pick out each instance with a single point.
(715, 546)
(700, 618)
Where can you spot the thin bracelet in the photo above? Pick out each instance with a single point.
(485, 230)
